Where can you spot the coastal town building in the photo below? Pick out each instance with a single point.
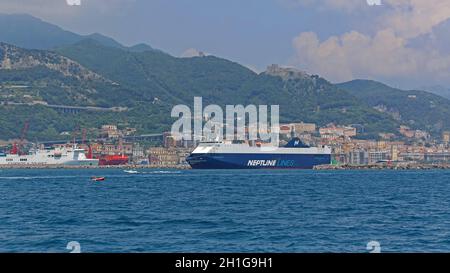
(358, 157)
(419, 134)
(297, 129)
(410, 133)
(302, 127)
(378, 156)
(167, 157)
(112, 148)
(338, 131)
(406, 131)
(159, 156)
(109, 131)
(443, 156)
(446, 137)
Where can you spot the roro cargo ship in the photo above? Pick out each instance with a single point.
(232, 155)
(57, 156)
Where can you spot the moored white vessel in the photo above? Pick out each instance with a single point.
(68, 156)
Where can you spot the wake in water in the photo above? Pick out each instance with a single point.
(152, 172)
(131, 171)
(73, 177)
(163, 172)
(35, 177)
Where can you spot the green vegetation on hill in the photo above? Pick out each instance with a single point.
(150, 83)
(218, 81)
(29, 32)
(314, 99)
(47, 124)
(417, 109)
(159, 75)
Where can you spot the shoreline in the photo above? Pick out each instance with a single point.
(125, 167)
(399, 166)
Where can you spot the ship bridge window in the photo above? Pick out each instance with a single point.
(23, 159)
(9, 160)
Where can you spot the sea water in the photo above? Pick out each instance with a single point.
(224, 211)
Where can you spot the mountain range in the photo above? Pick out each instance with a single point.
(56, 67)
(29, 32)
(438, 90)
(414, 108)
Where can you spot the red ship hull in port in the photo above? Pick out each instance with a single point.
(113, 160)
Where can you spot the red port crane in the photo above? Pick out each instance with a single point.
(84, 134)
(17, 147)
(84, 141)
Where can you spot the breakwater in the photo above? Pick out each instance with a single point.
(397, 166)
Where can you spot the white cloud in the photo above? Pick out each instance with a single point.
(386, 53)
(355, 55)
(346, 5)
(73, 2)
(60, 8)
(374, 2)
(411, 18)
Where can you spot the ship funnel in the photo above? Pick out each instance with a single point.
(296, 143)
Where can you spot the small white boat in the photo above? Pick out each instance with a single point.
(131, 171)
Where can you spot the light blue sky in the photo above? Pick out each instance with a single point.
(401, 42)
(253, 32)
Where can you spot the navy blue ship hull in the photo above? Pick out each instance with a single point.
(257, 161)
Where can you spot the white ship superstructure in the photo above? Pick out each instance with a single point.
(69, 156)
(243, 148)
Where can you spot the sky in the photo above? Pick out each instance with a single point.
(404, 43)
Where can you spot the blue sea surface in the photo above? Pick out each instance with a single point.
(224, 211)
